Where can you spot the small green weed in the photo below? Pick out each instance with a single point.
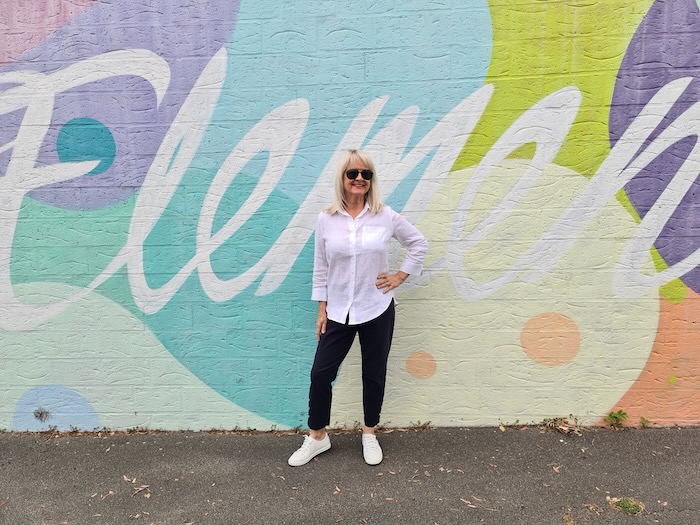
(616, 419)
(644, 422)
(626, 505)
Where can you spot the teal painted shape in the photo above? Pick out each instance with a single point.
(46, 250)
(257, 351)
(68, 246)
(84, 139)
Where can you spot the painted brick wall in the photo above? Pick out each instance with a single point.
(163, 164)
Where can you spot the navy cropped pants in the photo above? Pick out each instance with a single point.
(334, 345)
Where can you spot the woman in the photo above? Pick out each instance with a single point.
(354, 290)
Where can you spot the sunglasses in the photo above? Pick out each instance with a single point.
(352, 174)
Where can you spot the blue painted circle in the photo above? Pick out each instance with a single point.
(54, 406)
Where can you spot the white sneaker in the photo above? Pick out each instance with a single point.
(309, 450)
(371, 449)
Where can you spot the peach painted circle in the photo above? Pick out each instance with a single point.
(550, 339)
(421, 365)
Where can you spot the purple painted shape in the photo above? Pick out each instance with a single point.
(665, 47)
(185, 34)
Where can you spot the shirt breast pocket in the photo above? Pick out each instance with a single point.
(373, 238)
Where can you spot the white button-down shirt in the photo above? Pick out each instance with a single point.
(350, 254)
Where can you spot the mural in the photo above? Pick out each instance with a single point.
(162, 165)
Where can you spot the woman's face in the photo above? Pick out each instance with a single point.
(359, 186)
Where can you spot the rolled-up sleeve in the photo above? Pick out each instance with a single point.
(319, 283)
(410, 237)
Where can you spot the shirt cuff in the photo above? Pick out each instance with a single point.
(411, 268)
(319, 294)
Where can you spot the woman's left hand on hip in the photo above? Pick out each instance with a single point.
(388, 281)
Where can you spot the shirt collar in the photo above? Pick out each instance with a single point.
(364, 210)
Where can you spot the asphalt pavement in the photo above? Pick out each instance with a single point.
(429, 476)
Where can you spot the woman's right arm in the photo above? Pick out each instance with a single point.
(319, 286)
(321, 320)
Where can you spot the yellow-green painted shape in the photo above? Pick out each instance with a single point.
(540, 47)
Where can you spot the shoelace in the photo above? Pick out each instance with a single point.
(371, 444)
(308, 440)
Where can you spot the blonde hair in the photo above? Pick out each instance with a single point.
(372, 198)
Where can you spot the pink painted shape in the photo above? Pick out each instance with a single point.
(25, 23)
(667, 391)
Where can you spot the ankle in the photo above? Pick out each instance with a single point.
(318, 435)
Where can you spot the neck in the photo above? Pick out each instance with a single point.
(354, 206)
